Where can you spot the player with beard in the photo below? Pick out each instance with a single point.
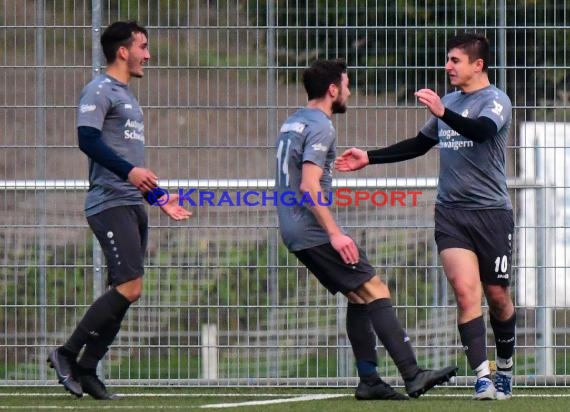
(305, 155)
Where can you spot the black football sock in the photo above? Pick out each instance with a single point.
(473, 338)
(100, 314)
(68, 354)
(96, 349)
(393, 337)
(85, 371)
(504, 332)
(362, 340)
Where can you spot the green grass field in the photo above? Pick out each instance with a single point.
(269, 399)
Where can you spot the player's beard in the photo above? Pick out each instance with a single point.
(338, 107)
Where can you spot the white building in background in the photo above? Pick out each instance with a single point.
(543, 218)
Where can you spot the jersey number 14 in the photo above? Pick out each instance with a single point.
(283, 164)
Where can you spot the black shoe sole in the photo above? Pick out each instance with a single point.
(51, 364)
(97, 391)
(109, 397)
(372, 395)
(396, 398)
(443, 379)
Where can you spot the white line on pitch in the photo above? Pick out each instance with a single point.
(272, 401)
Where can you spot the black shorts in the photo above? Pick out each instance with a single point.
(335, 275)
(122, 232)
(487, 232)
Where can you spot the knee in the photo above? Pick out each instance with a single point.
(467, 305)
(465, 294)
(497, 295)
(372, 290)
(500, 302)
(134, 295)
(468, 300)
(131, 290)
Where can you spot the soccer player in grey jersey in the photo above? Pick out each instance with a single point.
(111, 133)
(473, 214)
(305, 156)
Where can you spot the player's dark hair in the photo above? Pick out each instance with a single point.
(475, 45)
(119, 34)
(321, 75)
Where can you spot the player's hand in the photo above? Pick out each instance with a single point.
(144, 179)
(351, 159)
(174, 210)
(346, 247)
(431, 100)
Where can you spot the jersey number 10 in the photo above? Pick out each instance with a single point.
(501, 264)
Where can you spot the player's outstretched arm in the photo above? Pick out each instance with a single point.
(173, 210)
(352, 159)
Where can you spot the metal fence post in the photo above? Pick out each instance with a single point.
(502, 47)
(96, 68)
(272, 240)
(40, 74)
(544, 350)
